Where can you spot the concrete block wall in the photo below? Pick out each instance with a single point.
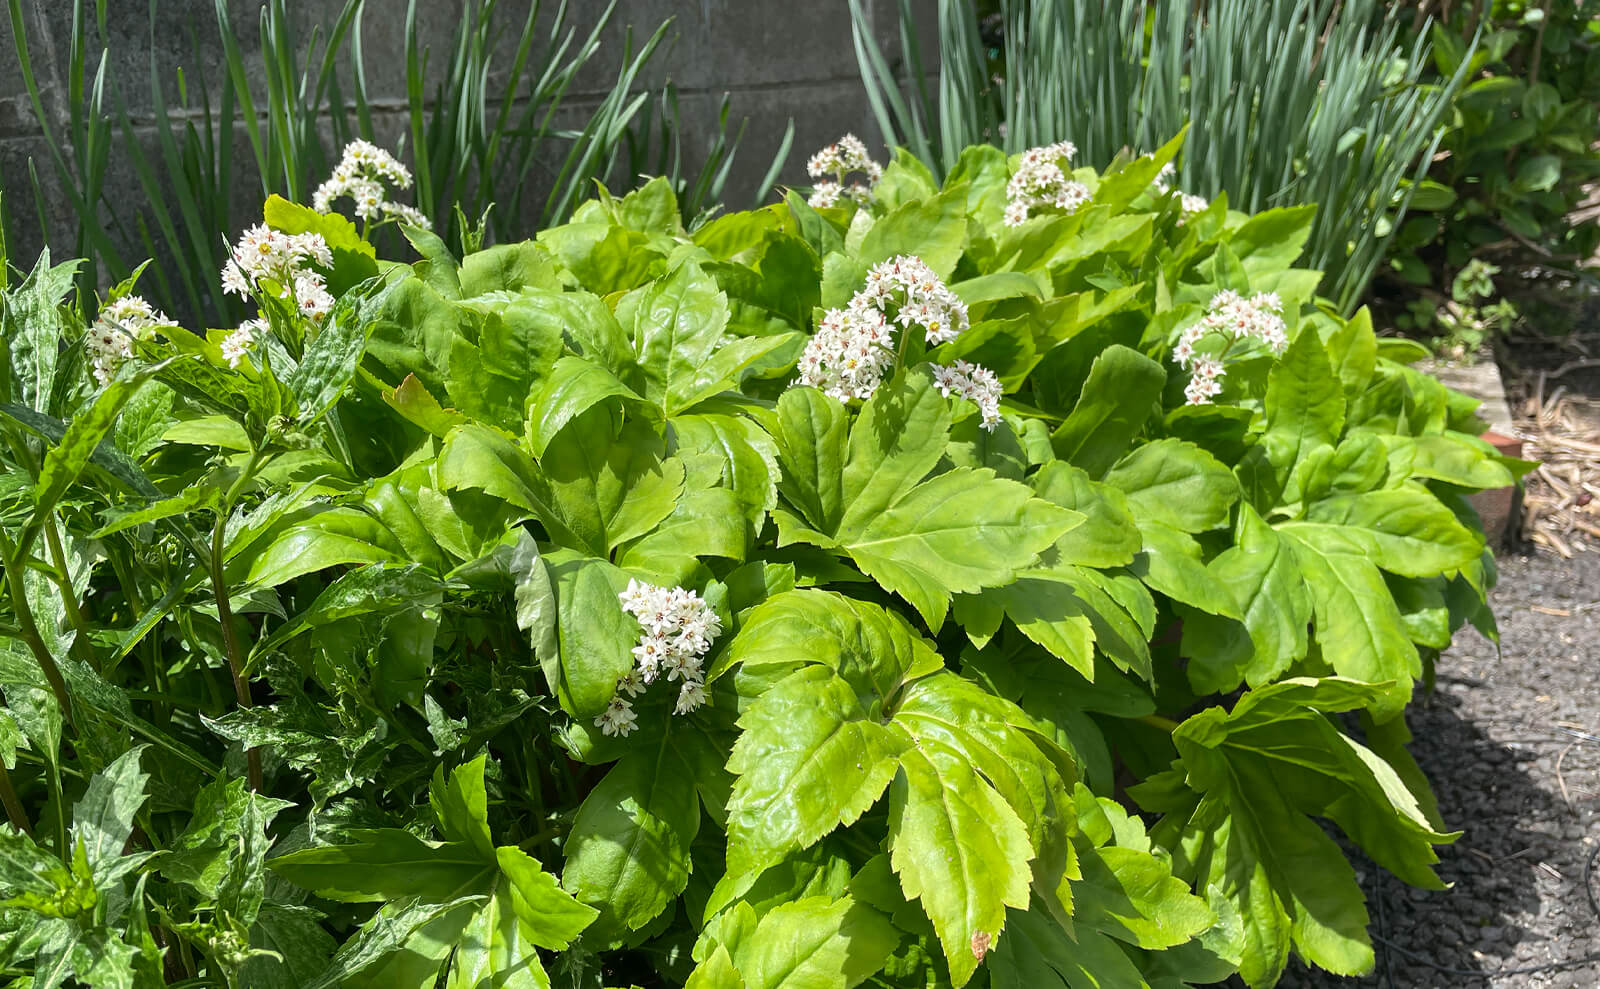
(776, 59)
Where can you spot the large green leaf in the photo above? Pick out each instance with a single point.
(811, 757)
(1120, 394)
(1239, 807)
(975, 796)
(1406, 531)
(628, 851)
(1176, 484)
(1305, 410)
(934, 230)
(957, 532)
(609, 482)
(1262, 574)
(1358, 626)
(816, 942)
(596, 636)
(678, 326)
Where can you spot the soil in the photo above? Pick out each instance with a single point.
(1510, 739)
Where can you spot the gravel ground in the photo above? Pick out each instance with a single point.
(1497, 740)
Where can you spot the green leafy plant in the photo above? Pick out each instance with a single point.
(1516, 163)
(993, 653)
(1339, 116)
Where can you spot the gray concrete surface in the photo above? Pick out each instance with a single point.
(776, 59)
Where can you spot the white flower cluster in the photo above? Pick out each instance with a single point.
(974, 382)
(268, 261)
(830, 166)
(1041, 183)
(679, 628)
(1237, 320)
(854, 346)
(1188, 205)
(121, 322)
(364, 173)
(236, 345)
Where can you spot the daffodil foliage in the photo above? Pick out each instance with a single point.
(855, 595)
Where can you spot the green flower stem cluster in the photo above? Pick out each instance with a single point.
(1044, 700)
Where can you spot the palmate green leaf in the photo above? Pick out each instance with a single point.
(812, 436)
(334, 536)
(678, 328)
(1175, 484)
(1109, 536)
(1305, 411)
(705, 522)
(961, 844)
(1358, 626)
(572, 387)
(811, 757)
(1239, 807)
(1125, 890)
(519, 344)
(480, 458)
(1120, 394)
(1406, 531)
(1263, 576)
(627, 854)
(934, 230)
(819, 746)
(748, 455)
(816, 942)
(507, 268)
(609, 482)
(957, 532)
(1057, 606)
(1038, 954)
(535, 597)
(1459, 459)
(1171, 564)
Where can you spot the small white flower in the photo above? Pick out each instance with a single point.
(311, 296)
(1190, 205)
(677, 630)
(1232, 319)
(1207, 381)
(121, 322)
(854, 347)
(363, 174)
(975, 383)
(690, 696)
(632, 684)
(833, 163)
(236, 345)
(618, 718)
(1041, 182)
